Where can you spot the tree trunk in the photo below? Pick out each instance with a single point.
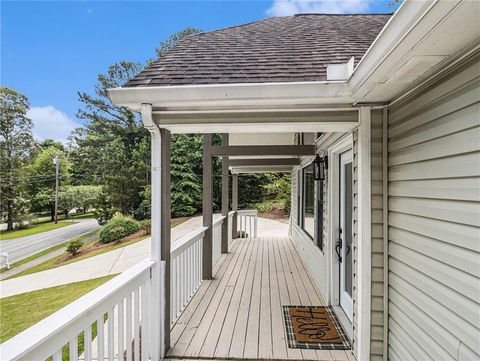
(10, 215)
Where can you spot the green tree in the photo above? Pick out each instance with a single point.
(16, 142)
(112, 149)
(174, 39)
(41, 172)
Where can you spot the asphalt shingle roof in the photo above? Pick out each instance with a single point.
(280, 49)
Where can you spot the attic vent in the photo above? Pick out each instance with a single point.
(340, 71)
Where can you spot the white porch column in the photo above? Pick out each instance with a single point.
(364, 234)
(225, 192)
(160, 238)
(207, 262)
(234, 204)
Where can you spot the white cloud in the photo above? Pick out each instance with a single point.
(291, 7)
(51, 123)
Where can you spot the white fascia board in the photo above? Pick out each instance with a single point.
(397, 28)
(233, 95)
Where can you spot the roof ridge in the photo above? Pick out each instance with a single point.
(285, 16)
(350, 14)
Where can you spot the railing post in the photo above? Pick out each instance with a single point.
(207, 263)
(225, 191)
(165, 230)
(234, 204)
(157, 299)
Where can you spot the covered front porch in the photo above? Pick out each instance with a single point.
(239, 313)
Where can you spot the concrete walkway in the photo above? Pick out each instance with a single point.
(113, 262)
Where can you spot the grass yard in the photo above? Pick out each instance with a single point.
(19, 312)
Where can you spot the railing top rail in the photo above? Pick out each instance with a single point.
(247, 212)
(218, 220)
(55, 325)
(184, 241)
(231, 213)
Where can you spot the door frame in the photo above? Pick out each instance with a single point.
(347, 304)
(334, 152)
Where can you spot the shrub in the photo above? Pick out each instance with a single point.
(117, 227)
(74, 246)
(242, 234)
(146, 225)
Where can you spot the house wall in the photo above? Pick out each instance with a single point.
(434, 220)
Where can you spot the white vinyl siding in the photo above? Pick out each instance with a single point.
(434, 221)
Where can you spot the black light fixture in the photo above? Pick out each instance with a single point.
(320, 165)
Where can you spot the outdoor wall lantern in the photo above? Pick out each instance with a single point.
(320, 165)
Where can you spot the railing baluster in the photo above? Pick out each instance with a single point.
(136, 325)
(121, 330)
(111, 340)
(87, 343)
(144, 323)
(129, 327)
(73, 349)
(57, 356)
(100, 343)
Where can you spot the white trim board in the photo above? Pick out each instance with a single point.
(364, 245)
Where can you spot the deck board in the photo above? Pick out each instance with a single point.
(238, 314)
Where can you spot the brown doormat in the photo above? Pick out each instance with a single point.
(314, 327)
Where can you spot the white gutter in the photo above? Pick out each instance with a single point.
(233, 95)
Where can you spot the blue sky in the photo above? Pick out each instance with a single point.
(52, 49)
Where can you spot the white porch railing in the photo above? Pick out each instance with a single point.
(230, 226)
(217, 239)
(186, 270)
(247, 223)
(120, 310)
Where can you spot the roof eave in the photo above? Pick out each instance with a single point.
(244, 95)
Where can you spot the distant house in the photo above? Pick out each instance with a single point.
(377, 118)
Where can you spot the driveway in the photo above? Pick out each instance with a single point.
(22, 247)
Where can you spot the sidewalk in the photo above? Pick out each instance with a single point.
(112, 262)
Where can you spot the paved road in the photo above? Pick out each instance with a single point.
(115, 261)
(22, 247)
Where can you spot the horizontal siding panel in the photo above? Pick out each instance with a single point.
(457, 280)
(443, 336)
(463, 98)
(415, 335)
(458, 143)
(463, 165)
(452, 211)
(408, 338)
(459, 258)
(453, 233)
(446, 318)
(462, 306)
(465, 189)
(452, 123)
(437, 93)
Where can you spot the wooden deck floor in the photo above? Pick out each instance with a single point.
(238, 314)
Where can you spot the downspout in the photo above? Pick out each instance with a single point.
(385, 229)
(157, 301)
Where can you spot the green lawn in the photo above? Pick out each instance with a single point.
(37, 227)
(19, 312)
